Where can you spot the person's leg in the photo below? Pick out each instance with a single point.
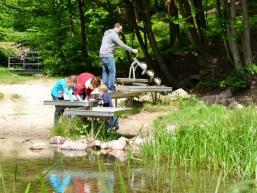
(113, 122)
(105, 71)
(112, 73)
(58, 110)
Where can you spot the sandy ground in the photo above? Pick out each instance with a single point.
(26, 115)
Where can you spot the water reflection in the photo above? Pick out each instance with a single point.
(59, 182)
(96, 172)
(85, 181)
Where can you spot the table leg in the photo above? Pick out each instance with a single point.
(92, 127)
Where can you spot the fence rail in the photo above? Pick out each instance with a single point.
(28, 61)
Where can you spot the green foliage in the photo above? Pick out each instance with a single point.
(3, 59)
(237, 80)
(208, 82)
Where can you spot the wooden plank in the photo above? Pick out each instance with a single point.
(144, 88)
(97, 111)
(68, 103)
(117, 95)
(131, 80)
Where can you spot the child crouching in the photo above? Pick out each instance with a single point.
(107, 102)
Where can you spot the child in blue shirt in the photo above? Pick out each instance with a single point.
(62, 86)
(107, 102)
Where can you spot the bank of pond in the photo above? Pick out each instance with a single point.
(194, 148)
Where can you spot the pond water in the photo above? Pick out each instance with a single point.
(92, 173)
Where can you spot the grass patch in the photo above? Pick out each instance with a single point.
(15, 96)
(7, 77)
(149, 107)
(1, 96)
(207, 136)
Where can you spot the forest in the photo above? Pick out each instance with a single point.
(188, 43)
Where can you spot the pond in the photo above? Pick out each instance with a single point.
(88, 172)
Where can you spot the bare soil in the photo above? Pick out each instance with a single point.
(22, 112)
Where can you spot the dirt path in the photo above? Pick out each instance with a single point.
(22, 112)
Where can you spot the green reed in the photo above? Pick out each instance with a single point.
(207, 137)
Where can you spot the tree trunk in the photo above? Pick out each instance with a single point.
(221, 19)
(153, 43)
(199, 18)
(185, 11)
(84, 45)
(246, 35)
(232, 41)
(132, 17)
(174, 28)
(72, 32)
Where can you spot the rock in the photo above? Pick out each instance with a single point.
(105, 151)
(117, 144)
(146, 98)
(38, 146)
(104, 145)
(71, 153)
(96, 144)
(136, 140)
(226, 94)
(179, 93)
(119, 154)
(71, 145)
(210, 99)
(216, 99)
(57, 140)
(133, 147)
(38, 75)
(235, 105)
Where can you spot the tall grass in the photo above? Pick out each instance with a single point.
(75, 127)
(207, 137)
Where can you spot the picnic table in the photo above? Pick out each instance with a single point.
(96, 113)
(68, 103)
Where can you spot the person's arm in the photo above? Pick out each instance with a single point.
(78, 97)
(76, 93)
(118, 41)
(66, 90)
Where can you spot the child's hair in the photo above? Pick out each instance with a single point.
(96, 82)
(102, 88)
(72, 79)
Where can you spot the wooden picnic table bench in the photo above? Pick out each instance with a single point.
(96, 113)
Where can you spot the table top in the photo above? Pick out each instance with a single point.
(68, 103)
(144, 88)
(131, 80)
